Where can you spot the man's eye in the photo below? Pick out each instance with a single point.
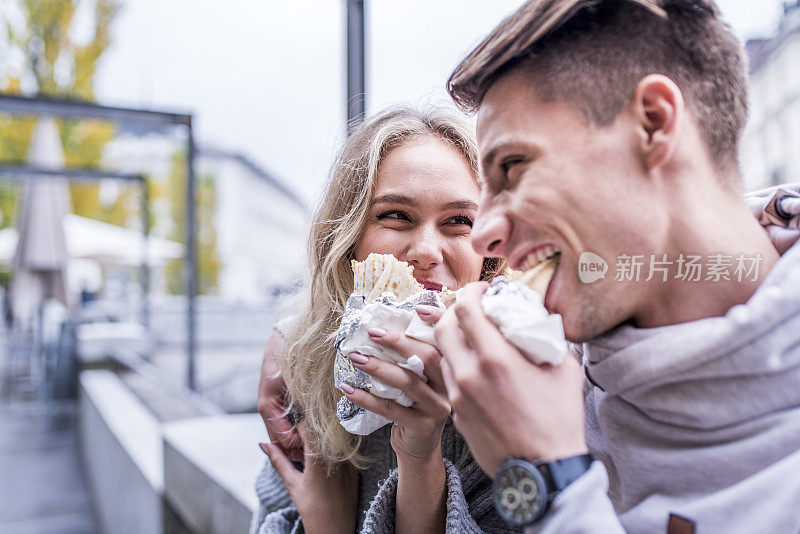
(507, 165)
(394, 215)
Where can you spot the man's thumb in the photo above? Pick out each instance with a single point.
(281, 463)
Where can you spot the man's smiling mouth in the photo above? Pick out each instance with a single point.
(540, 267)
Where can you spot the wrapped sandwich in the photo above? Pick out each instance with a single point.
(385, 294)
(517, 308)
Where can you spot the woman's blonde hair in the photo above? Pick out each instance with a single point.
(339, 222)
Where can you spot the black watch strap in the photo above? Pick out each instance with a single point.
(561, 473)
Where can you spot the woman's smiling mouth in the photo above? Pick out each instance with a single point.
(430, 285)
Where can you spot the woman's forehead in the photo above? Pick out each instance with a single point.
(424, 167)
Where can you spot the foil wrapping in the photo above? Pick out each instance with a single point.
(359, 315)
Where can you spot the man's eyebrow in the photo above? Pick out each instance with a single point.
(509, 145)
(488, 159)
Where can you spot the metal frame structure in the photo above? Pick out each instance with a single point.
(92, 175)
(356, 92)
(158, 120)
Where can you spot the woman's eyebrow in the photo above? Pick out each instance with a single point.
(460, 205)
(397, 198)
(394, 198)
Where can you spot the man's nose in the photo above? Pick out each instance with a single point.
(490, 234)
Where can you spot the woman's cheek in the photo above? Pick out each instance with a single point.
(465, 263)
(381, 240)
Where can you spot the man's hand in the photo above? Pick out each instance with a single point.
(271, 397)
(783, 233)
(504, 405)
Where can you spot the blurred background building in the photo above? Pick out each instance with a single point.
(771, 142)
(257, 216)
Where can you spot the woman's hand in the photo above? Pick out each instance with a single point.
(417, 433)
(325, 503)
(271, 397)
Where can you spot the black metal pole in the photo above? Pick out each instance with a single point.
(191, 261)
(356, 94)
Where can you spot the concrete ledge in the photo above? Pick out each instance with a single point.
(120, 443)
(145, 476)
(210, 465)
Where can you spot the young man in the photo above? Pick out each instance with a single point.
(608, 133)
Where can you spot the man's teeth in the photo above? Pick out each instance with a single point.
(539, 256)
(540, 273)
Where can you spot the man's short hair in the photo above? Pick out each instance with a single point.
(593, 53)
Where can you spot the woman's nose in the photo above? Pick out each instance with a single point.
(490, 234)
(425, 252)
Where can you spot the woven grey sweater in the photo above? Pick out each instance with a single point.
(469, 498)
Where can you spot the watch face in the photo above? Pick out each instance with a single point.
(520, 494)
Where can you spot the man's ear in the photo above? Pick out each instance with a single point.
(659, 110)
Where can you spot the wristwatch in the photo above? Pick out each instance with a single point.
(523, 490)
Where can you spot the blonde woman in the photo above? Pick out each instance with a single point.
(406, 183)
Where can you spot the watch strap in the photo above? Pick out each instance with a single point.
(563, 472)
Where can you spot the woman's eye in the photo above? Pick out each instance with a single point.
(461, 219)
(394, 215)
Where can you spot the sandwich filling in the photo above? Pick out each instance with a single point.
(382, 273)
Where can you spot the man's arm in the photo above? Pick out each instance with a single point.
(271, 397)
(506, 407)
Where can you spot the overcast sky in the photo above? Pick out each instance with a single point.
(266, 78)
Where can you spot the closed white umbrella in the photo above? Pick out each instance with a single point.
(41, 254)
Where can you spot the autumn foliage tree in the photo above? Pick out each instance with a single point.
(208, 260)
(44, 58)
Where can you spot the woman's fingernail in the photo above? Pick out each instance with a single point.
(357, 357)
(348, 389)
(264, 447)
(422, 309)
(376, 332)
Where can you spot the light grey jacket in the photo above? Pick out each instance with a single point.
(695, 423)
